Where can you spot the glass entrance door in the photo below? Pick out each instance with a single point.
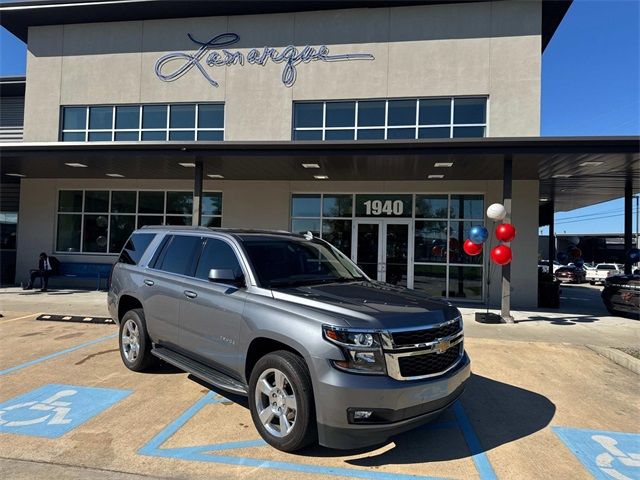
(382, 250)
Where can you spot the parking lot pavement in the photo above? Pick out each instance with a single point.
(581, 320)
(531, 410)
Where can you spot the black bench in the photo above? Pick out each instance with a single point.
(84, 270)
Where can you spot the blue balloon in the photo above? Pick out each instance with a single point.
(437, 242)
(563, 257)
(478, 234)
(579, 263)
(634, 255)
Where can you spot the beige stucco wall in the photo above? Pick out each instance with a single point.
(256, 204)
(487, 48)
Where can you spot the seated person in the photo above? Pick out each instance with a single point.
(47, 266)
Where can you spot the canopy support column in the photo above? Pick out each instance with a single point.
(507, 188)
(628, 223)
(552, 233)
(197, 193)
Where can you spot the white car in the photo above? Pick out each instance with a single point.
(543, 265)
(603, 271)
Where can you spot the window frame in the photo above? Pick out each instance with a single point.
(417, 126)
(110, 214)
(167, 129)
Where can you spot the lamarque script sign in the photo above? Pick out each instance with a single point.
(212, 54)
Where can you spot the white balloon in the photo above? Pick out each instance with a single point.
(496, 212)
(574, 240)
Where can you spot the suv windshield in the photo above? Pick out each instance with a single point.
(281, 262)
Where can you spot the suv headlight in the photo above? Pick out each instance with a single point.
(362, 350)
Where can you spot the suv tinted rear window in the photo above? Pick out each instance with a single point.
(135, 248)
(180, 255)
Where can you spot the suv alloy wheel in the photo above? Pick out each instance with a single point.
(134, 343)
(281, 401)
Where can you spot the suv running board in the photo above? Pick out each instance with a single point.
(197, 369)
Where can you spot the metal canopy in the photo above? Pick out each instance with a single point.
(577, 171)
(18, 15)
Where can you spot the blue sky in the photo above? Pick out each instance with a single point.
(590, 86)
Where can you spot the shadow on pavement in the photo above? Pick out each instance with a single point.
(499, 413)
(565, 320)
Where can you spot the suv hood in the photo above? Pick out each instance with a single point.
(371, 304)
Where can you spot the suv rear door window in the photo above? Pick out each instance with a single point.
(181, 254)
(135, 248)
(219, 255)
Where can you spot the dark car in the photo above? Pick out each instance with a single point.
(621, 295)
(571, 275)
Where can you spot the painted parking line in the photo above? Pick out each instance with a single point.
(19, 318)
(56, 354)
(480, 459)
(209, 453)
(53, 410)
(606, 455)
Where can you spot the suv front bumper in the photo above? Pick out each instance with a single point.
(404, 404)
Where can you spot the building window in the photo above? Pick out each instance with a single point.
(132, 123)
(441, 268)
(100, 221)
(328, 216)
(438, 224)
(449, 117)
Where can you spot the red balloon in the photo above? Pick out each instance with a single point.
(437, 250)
(453, 243)
(501, 255)
(471, 248)
(575, 252)
(505, 232)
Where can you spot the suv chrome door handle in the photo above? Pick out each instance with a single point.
(190, 294)
(149, 283)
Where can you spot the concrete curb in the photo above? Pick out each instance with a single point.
(623, 359)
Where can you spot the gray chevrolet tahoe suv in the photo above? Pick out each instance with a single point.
(323, 353)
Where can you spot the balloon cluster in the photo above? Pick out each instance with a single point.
(478, 235)
(505, 232)
(573, 253)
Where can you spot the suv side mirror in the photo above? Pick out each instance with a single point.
(225, 276)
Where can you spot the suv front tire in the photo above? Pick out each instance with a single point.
(281, 401)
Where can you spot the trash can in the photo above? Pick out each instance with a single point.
(548, 292)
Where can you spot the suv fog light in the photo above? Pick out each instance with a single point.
(365, 357)
(370, 416)
(360, 415)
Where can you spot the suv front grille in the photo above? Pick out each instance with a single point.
(430, 363)
(425, 336)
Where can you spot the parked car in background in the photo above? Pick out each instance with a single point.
(543, 266)
(571, 274)
(603, 271)
(621, 295)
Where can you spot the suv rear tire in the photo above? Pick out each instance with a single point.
(281, 401)
(134, 342)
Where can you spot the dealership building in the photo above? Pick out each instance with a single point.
(387, 128)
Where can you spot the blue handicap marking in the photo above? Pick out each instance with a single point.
(223, 452)
(607, 455)
(53, 410)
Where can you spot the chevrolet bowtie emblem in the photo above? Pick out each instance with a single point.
(442, 346)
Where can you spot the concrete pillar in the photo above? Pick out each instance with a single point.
(507, 188)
